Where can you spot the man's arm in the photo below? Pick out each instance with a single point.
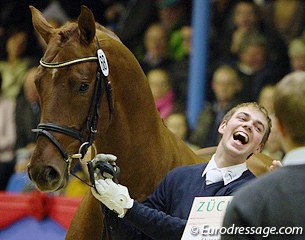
(146, 217)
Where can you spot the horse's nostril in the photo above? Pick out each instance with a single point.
(46, 178)
(50, 174)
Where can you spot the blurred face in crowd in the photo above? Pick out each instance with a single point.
(186, 32)
(297, 62)
(16, 45)
(156, 41)
(176, 123)
(170, 15)
(225, 84)
(244, 15)
(254, 57)
(159, 83)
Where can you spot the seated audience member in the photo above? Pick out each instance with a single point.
(180, 69)
(16, 64)
(254, 66)
(286, 17)
(276, 200)
(26, 118)
(163, 215)
(225, 85)
(27, 111)
(245, 17)
(177, 123)
(156, 49)
(161, 87)
(296, 54)
(7, 138)
(19, 180)
(173, 15)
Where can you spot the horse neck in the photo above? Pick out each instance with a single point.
(145, 148)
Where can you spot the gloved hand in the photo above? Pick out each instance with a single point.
(105, 157)
(104, 166)
(113, 196)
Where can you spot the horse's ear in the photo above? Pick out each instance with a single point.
(86, 25)
(41, 25)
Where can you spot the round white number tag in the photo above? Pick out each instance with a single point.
(103, 62)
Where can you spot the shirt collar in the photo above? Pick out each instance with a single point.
(294, 157)
(229, 174)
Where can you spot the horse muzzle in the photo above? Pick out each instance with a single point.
(46, 178)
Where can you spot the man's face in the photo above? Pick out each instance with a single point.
(243, 132)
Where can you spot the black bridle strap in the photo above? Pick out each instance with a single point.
(54, 141)
(94, 115)
(62, 129)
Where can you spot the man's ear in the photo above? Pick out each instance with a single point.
(222, 127)
(259, 148)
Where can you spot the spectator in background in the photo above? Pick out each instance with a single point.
(246, 17)
(7, 138)
(156, 49)
(15, 66)
(27, 117)
(134, 21)
(254, 66)
(161, 87)
(173, 14)
(177, 123)
(225, 85)
(296, 52)
(27, 111)
(180, 68)
(276, 200)
(287, 17)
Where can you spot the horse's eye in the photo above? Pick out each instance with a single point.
(83, 87)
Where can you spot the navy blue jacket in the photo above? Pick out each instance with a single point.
(163, 215)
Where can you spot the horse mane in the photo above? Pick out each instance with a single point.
(105, 30)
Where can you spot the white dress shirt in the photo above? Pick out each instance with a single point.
(227, 174)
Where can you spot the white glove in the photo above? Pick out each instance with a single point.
(113, 196)
(110, 158)
(105, 157)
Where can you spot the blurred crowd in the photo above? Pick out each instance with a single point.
(252, 45)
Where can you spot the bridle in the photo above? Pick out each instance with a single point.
(101, 85)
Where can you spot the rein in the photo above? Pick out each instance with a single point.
(101, 85)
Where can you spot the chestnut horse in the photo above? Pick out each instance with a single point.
(116, 111)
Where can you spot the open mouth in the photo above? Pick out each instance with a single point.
(241, 137)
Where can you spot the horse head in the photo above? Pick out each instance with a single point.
(93, 90)
(70, 85)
